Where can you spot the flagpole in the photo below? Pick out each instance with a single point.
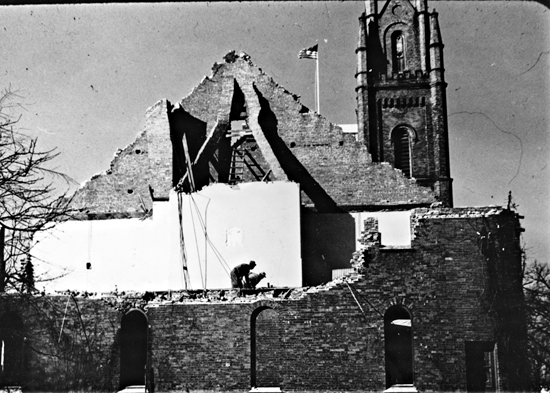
(313, 53)
(317, 84)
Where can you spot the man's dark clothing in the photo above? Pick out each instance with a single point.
(238, 274)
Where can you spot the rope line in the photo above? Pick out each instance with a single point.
(196, 240)
(367, 300)
(63, 322)
(356, 301)
(182, 245)
(222, 261)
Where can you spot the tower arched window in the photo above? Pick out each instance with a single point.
(401, 139)
(398, 51)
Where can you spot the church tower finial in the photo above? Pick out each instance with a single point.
(422, 9)
(371, 8)
(401, 103)
(436, 48)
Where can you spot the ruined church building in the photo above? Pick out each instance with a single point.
(374, 281)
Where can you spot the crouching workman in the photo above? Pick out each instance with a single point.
(239, 275)
(254, 279)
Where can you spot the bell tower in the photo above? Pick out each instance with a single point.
(401, 103)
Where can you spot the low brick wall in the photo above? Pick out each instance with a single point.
(324, 338)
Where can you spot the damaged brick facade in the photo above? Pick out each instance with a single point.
(329, 337)
(285, 141)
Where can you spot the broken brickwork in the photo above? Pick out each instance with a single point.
(369, 252)
(460, 281)
(123, 190)
(282, 140)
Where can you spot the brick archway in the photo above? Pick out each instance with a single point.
(265, 347)
(398, 346)
(133, 348)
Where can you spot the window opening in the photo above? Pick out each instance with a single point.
(402, 150)
(12, 345)
(398, 52)
(488, 369)
(480, 366)
(398, 346)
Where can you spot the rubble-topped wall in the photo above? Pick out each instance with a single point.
(460, 282)
(462, 278)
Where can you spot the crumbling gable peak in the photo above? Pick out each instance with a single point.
(240, 107)
(118, 156)
(123, 190)
(232, 56)
(205, 79)
(283, 132)
(243, 93)
(234, 61)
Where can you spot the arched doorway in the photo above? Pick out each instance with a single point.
(11, 350)
(265, 348)
(133, 348)
(398, 346)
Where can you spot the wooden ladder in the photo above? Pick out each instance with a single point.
(237, 165)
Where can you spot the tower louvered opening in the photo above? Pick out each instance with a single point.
(402, 150)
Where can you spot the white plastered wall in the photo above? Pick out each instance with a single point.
(259, 221)
(125, 254)
(250, 221)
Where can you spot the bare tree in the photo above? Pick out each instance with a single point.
(537, 300)
(28, 201)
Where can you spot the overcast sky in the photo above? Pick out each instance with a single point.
(87, 73)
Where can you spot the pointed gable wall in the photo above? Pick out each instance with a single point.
(290, 143)
(341, 167)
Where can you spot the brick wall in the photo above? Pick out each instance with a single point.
(68, 343)
(460, 281)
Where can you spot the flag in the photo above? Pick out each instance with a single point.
(309, 53)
